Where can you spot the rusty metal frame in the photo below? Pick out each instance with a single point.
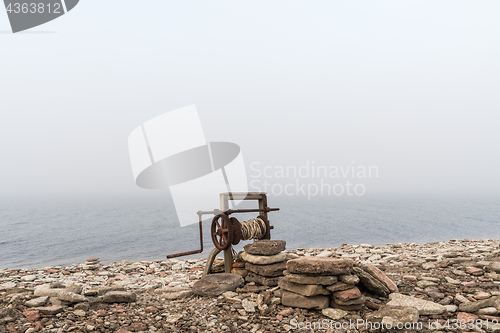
(200, 223)
(224, 208)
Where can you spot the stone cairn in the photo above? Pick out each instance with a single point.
(321, 283)
(92, 264)
(263, 262)
(316, 283)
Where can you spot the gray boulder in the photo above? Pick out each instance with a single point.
(265, 247)
(216, 284)
(424, 307)
(119, 297)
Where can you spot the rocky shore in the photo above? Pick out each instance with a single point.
(444, 286)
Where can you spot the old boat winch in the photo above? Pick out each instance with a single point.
(226, 230)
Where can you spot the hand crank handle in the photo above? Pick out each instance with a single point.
(191, 252)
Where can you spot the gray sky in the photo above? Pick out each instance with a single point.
(408, 86)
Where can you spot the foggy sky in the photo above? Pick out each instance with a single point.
(408, 86)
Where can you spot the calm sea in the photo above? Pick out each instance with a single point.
(38, 233)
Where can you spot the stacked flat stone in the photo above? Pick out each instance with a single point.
(265, 261)
(319, 283)
(92, 264)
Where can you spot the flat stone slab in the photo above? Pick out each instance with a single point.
(216, 284)
(7, 286)
(354, 307)
(37, 302)
(49, 310)
(16, 290)
(489, 311)
(262, 280)
(424, 307)
(371, 283)
(346, 295)
(46, 291)
(304, 302)
(263, 260)
(172, 289)
(319, 266)
(265, 247)
(175, 292)
(303, 289)
(177, 295)
(379, 275)
(271, 270)
(394, 315)
(357, 301)
(119, 297)
(101, 291)
(476, 306)
(28, 278)
(69, 296)
(339, 286)
(325, 280)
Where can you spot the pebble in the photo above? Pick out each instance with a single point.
(465, 272)
(488, 311)
(461, 298)
(172, 319)
(248, 305)
(334, 314)
(482, 295)
(451, 308)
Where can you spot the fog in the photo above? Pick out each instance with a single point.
(408, 87)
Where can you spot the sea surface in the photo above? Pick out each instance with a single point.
(36, 233)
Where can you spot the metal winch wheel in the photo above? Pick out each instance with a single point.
(222, 231)
(228, 231)
(237, 230)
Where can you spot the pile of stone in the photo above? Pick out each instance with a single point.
(92, 264)
(316, 283)
(53, 298)
(264, 261)
(319, 282)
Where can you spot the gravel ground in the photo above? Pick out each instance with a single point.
(156, 296)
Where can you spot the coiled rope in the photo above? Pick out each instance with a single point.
(253, 229)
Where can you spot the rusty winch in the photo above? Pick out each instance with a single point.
(226, 230)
